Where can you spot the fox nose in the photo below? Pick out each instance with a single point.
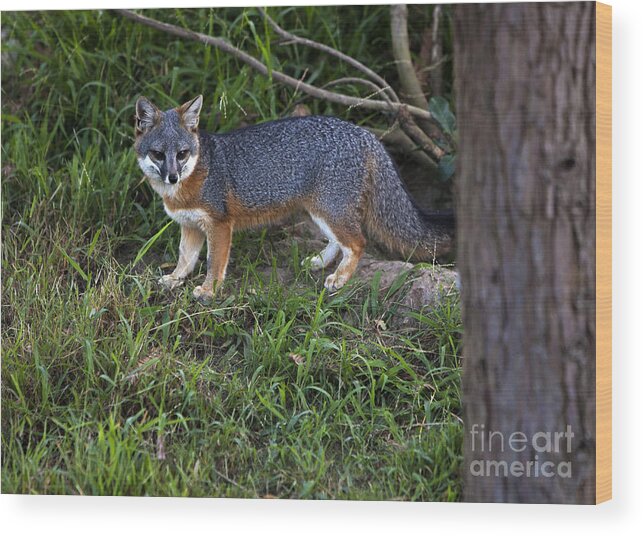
(173, 178)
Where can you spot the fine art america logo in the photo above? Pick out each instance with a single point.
(541, 444)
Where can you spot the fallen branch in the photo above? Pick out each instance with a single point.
(411, 86)
(292, 38)
(419, 136)
(436, 53)
(396, 136)
(313, 91)
(353, 80)
(431, 57)
(412, 91)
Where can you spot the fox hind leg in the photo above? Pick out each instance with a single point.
(325, 257)
(351, 255)
(351, 241)
(328, 254)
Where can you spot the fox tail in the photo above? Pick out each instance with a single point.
(396, 222)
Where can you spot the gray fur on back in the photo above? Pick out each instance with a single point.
(276, 162)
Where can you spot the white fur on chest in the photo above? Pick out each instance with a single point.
(192, 217)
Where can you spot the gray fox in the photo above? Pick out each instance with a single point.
(337, 172)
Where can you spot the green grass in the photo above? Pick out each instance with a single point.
(112, 386)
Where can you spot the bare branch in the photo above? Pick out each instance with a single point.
(412, 91)
(436, 53)
(292, 38)
(353, 80)
(431, 57)
(433, 66)
(285, 79)
(396, 137)
(424, 56)
(419, 136)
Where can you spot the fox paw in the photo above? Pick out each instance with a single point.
(202, 294)
(315, 262)
(170, 282)
(334, 282)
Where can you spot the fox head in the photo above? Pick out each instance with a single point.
(167, 143)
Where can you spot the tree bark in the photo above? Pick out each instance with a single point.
(525, 83)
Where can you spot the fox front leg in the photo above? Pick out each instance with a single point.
(192, 239)
(219, 239)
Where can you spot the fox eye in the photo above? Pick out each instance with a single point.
(157, 155)
(182, 155)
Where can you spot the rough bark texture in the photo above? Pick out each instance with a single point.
(525, 79)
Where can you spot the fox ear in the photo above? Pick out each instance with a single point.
(190, 112)
(147, 115)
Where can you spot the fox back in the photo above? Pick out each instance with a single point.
(290, 161)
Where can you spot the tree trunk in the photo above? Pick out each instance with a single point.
(525, 82)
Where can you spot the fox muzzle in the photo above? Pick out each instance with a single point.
(171, 171)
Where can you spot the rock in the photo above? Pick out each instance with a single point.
(424, 286)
